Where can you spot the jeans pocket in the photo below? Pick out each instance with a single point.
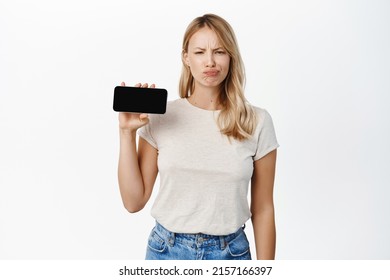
(156, 242)
(238, 246)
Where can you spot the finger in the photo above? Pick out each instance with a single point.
(153, 86)
(145, 85)
(138, 85)
(143, 116)
(123, 84)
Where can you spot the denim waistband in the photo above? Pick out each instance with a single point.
(198, 239)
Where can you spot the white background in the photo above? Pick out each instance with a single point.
(321, 68)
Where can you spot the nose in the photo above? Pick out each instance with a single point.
(210, 62)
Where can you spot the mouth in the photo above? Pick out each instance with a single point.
(211, 73)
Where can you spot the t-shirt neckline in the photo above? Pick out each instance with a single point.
(197, 108)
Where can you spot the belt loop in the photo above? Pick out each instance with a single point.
(171, 239)
(222, 242)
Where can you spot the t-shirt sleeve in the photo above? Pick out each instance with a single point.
(266, 141)
(147, 131)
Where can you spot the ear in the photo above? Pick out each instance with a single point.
(185, 58)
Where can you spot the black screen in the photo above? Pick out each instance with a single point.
(140, 100)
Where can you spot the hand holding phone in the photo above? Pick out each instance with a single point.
(133, 107)
(140, 99)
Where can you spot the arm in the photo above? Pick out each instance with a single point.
(262, 206)
(137, 172)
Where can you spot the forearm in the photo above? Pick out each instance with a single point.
(129, 175)
(265, 234)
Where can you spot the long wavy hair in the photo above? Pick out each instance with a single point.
(237, 118)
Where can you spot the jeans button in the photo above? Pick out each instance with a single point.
(200, 239)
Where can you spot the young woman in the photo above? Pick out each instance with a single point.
(207, 147)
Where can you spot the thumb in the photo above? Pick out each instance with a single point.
(143, 117)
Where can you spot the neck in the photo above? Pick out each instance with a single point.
(205, 98)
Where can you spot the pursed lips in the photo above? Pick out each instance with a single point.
(211, 73)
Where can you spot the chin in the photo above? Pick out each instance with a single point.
(211, 84)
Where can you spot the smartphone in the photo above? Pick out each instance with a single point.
(140, 100)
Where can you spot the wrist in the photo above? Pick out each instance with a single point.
(127, 132)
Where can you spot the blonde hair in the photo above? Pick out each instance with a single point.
(237, 118)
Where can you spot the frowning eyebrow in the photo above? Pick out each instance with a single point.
(202, 49)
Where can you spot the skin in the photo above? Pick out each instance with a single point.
(137, 171)
(209, 65)
(262, 206)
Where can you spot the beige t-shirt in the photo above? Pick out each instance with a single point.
(204, 179)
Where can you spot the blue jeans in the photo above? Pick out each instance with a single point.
(166, 245)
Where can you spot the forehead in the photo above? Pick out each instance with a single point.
(204, 37)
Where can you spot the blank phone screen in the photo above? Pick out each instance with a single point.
(140, 100)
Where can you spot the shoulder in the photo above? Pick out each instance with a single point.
(264, 133)
(174, 107)
(263, 116)
(175, 103)
(258, 110)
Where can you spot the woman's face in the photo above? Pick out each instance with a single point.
(208, 60)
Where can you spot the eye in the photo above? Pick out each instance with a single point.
(220, 52)
(199, 52)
